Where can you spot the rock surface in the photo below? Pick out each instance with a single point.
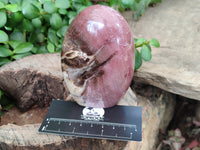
(175, 66)
(157, 106)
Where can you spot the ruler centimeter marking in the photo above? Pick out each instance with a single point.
(81, 122)
(65, 118)
(91, 122)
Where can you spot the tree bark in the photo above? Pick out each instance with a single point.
(34, 80)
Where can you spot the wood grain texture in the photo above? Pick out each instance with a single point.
(33, 80)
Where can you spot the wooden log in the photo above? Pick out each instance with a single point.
(33, 80)
(25, 136)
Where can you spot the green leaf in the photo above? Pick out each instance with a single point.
(154, 43)
(37, 22)
(50, 7)
(17, 17)
(18, 2)
(82, 8)
(64, 30)
(103, 3)
(71, 14)
(47, 17)
(14, 43)
(17, 36)
(14, 19)
(62, 11)
(33, 37)
(149, 47)
(23, 48)
(77, 5)
(34, 50)
(138, 59)
(52, 37)
(50, 47)
(3, 18)
(43, 29)
(8, 28)
(4, 1)
(12, 7)
(36, 3)
(30, 11)
(135, 40)
(127, 3)
(58, 33)
(18, 56)
(56, 21)
(40, 37)
(5, 52)
(4, 61)
(62, 3)
(3, 36)
(146, 53)
(43, 1)
(28, 26)
(141, 41)
(1, 5)
(42, 49)
(70, 20)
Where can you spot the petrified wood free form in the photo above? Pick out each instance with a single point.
(98, 57)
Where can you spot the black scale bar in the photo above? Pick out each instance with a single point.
(64, 118)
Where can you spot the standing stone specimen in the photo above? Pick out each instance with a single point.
(98, 57)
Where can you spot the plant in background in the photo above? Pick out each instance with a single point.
(143, 50)
(138, 6)
(175, 139)
(33, 27)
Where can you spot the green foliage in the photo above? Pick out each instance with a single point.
(31, 27)
(3, 18)
(3, 37)
(143, 50)
(35, 26)
(138, 6)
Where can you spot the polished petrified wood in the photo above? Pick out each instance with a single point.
(98, 57)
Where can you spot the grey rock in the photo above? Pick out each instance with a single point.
(175, 66)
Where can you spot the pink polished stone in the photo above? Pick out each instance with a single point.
(98, 57)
